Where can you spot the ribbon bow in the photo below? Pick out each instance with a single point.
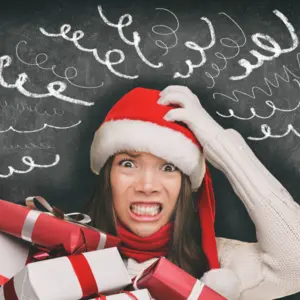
(85, 219)
(37, 252)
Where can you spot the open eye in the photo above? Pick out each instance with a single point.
(127, 163)
(169, 167)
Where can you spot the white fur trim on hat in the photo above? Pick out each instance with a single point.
(135, 135)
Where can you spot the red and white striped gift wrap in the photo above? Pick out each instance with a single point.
(132, 295)
(165, 280)
(70, 277)
(13, 256)
(48, 231)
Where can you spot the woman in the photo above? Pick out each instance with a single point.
(150, 155)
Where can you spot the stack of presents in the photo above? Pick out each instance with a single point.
(50, 256)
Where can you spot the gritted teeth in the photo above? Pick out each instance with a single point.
(150, 210)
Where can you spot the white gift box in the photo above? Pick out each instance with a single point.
(142, 294)
(13, 255)
(63, 279)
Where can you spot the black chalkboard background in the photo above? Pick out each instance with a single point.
(28, 139)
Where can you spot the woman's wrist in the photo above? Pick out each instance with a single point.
(206, 129)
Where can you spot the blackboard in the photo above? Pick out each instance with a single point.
(63, 64)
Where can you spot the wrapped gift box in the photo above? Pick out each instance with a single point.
(14, 254)
(46, 230)
(165, 281)
(70, 277)
(133, 295)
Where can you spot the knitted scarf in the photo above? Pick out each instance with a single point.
(144, 248)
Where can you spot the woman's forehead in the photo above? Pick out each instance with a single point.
(139, 154)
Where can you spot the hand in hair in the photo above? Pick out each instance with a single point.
(190, 112)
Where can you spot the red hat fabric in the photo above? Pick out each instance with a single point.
(135, 123)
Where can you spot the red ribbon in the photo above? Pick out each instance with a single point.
(9, 290)
(3, 280)
(84, 274)
(103, 297)
(82, 270)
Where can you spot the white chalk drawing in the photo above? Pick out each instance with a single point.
(136, 37)
(40, 129)
(55, 88)
(41, 58)
(266, 130)
(167, 32)
(262, 41)
(123, 22)
(270, 84)
(228, 43)
(28, 161)
(77, 35)
(192, 45)
(275, 49)
(256, 115)
(25, 107)
(114, 57)
(41, 146)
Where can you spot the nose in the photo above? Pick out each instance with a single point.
(148, 182)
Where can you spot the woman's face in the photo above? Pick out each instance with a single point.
(145, 190)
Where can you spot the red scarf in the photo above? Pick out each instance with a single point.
(144, 248)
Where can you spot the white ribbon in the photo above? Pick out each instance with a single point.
(30, 203)
(29, 225)
(196, 291)
(33, 215)
(102, 241)
(136, 279)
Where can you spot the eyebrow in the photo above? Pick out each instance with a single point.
(129, 154)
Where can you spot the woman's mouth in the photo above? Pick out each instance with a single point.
(145, 211)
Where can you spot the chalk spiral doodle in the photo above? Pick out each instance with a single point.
(256, 115)
(20, 107)
(41, 146)
(39, 129)
(170, 31)
(28, 161)
(42, 58)
(228, 43)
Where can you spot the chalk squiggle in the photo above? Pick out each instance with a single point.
(254, 113)
(27, 160)
(268, 82)
(192, 45)
(266, 130)
(42, 146)
(40, 129)
(23, 106)
(229, 43)
(160, 43)
(39, 65)
(275, 48)
(136, 36)
(54, 88)
(79, 34)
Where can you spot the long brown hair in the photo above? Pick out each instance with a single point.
(185, 248)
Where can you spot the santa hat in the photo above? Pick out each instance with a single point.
(135, 123)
